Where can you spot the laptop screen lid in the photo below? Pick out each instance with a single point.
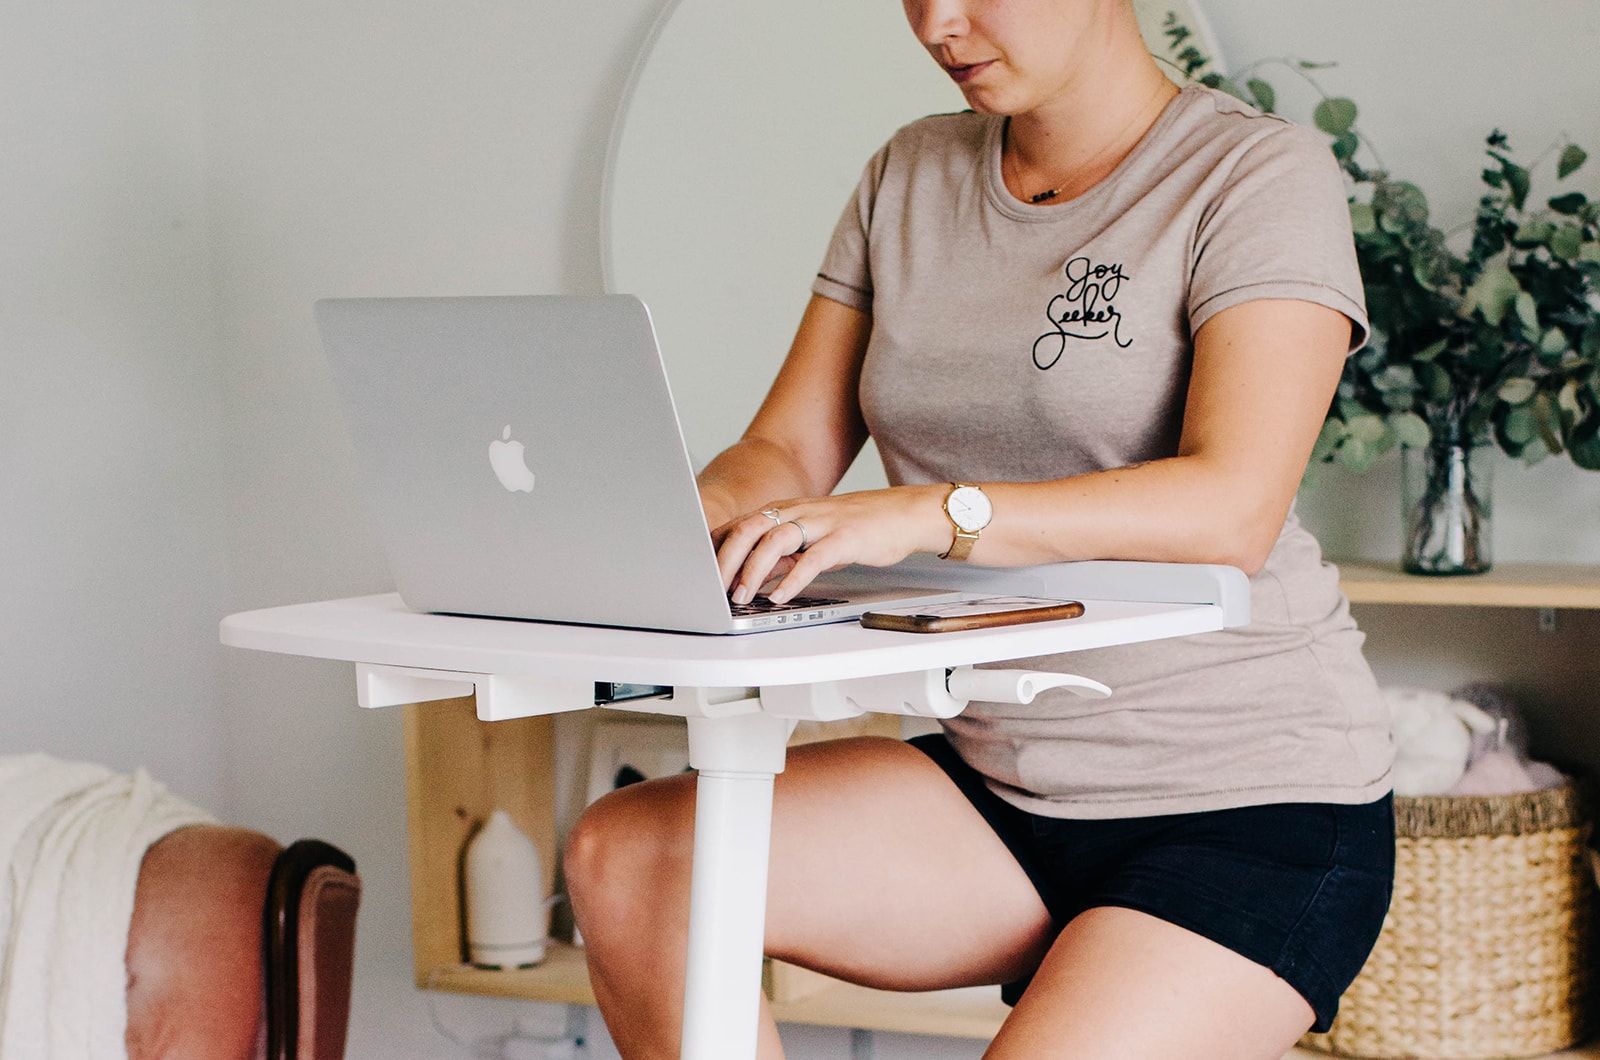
(524, 460)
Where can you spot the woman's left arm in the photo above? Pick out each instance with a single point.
(1264, 374)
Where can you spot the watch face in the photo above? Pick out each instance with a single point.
(969, 508)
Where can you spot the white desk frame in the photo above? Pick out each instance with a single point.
(741, 696)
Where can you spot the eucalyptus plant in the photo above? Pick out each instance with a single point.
(1492, 338)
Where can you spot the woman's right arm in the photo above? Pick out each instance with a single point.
(808, 430)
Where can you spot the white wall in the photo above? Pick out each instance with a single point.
(112, 534)
(372, 148)
(154, 305)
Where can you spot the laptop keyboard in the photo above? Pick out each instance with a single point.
(762, 606)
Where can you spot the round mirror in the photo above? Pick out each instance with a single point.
(743, 131)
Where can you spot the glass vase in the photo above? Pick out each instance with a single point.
(1448, 504)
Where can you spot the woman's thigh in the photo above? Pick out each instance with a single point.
(883, 873)
(1120, 984)
(1215, 934)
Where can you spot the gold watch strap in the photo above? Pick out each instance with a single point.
(961, 544)
(961, 547)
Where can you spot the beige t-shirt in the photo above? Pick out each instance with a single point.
(1014, 342)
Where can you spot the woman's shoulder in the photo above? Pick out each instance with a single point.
(957, 132)
(1229, 121)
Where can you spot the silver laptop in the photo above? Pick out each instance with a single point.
(524, 460)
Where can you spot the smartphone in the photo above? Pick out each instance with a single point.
(971, 614)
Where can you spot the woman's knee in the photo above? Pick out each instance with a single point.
(636, 839)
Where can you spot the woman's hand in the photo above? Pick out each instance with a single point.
(793, 541)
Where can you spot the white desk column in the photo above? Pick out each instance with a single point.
(737, 758)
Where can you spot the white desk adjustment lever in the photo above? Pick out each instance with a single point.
(928, 693)
(1016, 686)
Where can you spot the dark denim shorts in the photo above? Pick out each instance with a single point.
(1301, 888)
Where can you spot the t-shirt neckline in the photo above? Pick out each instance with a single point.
(1002, 199)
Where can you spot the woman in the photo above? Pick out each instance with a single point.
(1115, 314)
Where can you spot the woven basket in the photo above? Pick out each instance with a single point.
(1485, 951)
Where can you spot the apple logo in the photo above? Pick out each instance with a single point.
(505, 456)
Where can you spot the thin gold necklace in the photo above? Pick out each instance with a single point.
(1046, 196)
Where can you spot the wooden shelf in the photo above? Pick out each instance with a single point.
(1506, 585)
(562, 977)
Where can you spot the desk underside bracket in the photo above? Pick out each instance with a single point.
(499, 697)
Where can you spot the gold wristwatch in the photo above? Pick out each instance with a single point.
(969, 510)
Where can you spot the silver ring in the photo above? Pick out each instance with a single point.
(805, 538)
(772, 513)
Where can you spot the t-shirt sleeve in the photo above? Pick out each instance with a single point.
(1280, 228)
(846, 273)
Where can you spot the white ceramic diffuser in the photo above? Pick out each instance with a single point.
(507, 916)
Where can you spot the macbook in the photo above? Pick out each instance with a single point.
(524, 460)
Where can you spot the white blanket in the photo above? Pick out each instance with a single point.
(72, 836)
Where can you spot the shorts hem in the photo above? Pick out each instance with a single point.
(1305, 980)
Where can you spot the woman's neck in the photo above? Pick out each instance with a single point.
(1062, 149)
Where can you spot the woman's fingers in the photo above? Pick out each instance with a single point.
(796, 540)
(736, 540)
(772, 555)
(804, 568)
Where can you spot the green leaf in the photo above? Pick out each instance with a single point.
(1571, 158)
(1553, 345)
(1346, 146)
(1401, 205)
(1520, 426)
(1516, 391)
(1350, 408)
(1544, 416)
(1528, 313)
(1433, 267)
(1266, 98)
(1533, 233)
(1567, 243)
(1192, 61)
(1410, 430)
(1335, 115)
(1430, 351)
(1369, 429)
(1226, 85)
(1586, 453)
(1436, 381)
(1363, 220)
(1520, 182)
(1493, 292)
(1569, 203)
(1567, 400)
(1355, 454)
(1395, 377)
(1590, 252)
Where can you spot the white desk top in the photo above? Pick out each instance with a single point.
(381, 630)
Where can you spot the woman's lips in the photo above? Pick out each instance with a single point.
(966, 72)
